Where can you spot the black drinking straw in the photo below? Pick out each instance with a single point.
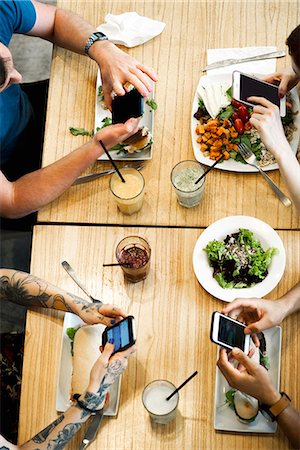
(208, 170)
(112, 161)
(181, 386)
(111, 264)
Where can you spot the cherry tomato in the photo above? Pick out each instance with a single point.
(236, 104)
(243, 113)
(235, 116)
(239, 126)
(247, 126)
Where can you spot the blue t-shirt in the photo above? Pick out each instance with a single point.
(17, 16)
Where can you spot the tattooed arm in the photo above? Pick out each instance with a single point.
(28, 290)
(103, 374)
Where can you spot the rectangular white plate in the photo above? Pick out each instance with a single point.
(65, 373)
(225, 417)
(147, 121)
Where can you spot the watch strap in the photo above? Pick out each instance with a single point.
(276, 409)
(97, 36)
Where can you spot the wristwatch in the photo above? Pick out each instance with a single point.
(276, 409)
(97, 36)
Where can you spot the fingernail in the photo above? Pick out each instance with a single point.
(112, 321)
(111, 341)
(281, 95)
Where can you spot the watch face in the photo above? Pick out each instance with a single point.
(99, 35)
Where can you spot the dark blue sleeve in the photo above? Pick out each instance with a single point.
(15, 17)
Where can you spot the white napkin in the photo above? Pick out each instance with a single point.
(130, 29)
(264, 66)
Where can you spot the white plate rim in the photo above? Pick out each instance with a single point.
(147, 120)
(261, 425)
(218, 230)
(231, 165)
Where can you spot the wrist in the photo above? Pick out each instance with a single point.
(270, 398)
(98, 48)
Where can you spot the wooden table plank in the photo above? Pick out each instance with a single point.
(178, 55)
(173, 320)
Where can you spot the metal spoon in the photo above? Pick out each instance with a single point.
(70, 271)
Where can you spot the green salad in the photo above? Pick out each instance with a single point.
(239, 261)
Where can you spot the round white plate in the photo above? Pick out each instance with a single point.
(232, 165)
(219, 230)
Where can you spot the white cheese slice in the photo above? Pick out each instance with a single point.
(213, 94)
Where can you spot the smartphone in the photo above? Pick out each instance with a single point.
(123, 333)
(244, 86)
(228, 332)
(126, 106)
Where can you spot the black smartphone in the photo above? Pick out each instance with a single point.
(228, 332)
(244, 86)
(126, 106)
(123, 333)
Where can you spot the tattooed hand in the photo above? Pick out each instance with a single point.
(105, 371)
(92, 313)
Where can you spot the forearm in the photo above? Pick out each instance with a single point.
(291, 301)
(289, 422)
(72, 32)
(290, 170)
(60, 432)
(36, 189)
(28, 290)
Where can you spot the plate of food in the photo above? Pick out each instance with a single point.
(239, 256)
(136, 147)
(239, 412)
(216, 132)
(79, 351)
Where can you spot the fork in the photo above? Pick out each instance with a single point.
(94, 176)
(71, 272)
(250, 159)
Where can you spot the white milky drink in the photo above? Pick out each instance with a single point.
(154, 400)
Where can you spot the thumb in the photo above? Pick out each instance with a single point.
(283, 87)
(243, 359)
(107, 352)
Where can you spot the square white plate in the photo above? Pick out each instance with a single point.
(147, 121)
(63, 391)
(225, 417)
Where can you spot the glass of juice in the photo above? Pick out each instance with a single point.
(129, 195)
(133, 254)
(154, 400)
(183, 177)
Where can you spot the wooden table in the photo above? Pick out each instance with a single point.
(173, 320)
(178, 55)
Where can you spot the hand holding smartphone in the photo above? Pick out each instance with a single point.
(229, 333)
(245, 86)
(126, 106)
(122, 333)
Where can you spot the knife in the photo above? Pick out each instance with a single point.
(229, 62)
(92, 176)
(92, 430)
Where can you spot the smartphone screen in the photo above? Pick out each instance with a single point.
(123, 334)
(126, 106)
(250, 86)
(231, 333)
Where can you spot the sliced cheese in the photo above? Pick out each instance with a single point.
(213, 94)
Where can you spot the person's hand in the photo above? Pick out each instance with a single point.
(250, 378)
(118, 68)
(258, 314)
(92, 313)
(114, 134)
(105, 371)
(285, 80)
(266, 119)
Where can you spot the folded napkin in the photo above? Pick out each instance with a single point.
(130, 29)
(263, 67)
